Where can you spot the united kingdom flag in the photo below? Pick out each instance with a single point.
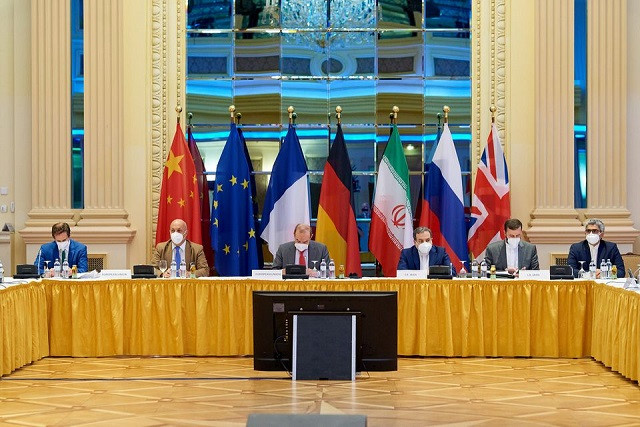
(490, 206)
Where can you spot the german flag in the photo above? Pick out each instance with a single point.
(336, 225)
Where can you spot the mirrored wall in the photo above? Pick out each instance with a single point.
(365, 55)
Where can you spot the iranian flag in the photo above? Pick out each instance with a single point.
(391, 223)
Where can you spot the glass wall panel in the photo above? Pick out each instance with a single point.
(77, 104)
(365, 56)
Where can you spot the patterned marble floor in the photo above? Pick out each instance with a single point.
(224, 391)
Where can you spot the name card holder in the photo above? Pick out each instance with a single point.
(412, 274)
(115, 274)
(534, 275)
(267, 274)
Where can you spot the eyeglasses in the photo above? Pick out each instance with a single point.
(596, 231)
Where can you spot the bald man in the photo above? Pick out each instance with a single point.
(179, 248)
(302, 250)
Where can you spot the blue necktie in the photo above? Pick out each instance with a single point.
(178, 259)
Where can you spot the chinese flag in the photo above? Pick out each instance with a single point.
(180, 195)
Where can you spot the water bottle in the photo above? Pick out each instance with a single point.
(603, 269)
(1, 272)
(332, 269)
(173, 269)
(183, 269)
(592, 269)
(56, 268)
(323, 269)
(483, 269)
(609, 275)
(474, 269)
(65, 269)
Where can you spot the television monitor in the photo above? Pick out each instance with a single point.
(376, 326)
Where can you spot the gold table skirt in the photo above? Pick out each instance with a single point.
(214, 318)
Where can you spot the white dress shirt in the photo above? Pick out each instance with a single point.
(424, 261)
(512, 256)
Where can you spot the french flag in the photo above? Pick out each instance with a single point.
(286, 203)
(443, 206)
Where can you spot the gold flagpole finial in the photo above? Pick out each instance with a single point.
(446, 110)
(291, 113)
(339, 114)
(493, 113)
(232, 110)
(238, 117)
(394, 115)
(178, 110)
(189, 116)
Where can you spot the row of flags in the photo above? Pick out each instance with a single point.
(231, 230)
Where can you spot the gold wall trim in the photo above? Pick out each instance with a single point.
(159, 131)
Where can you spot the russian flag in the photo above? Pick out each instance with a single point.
(443, 205)
(287, 200)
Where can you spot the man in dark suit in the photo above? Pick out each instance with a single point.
(593, 247)
(62, 248)
(512, 254)
(178, 248)
(301, 251)
(423, 253)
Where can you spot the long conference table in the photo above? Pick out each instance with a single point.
(213, 317)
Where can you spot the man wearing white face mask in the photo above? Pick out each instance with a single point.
(178, 248)
(423, 254)
(594, 247)
(63, 249)
(302, 250)
(512, 253)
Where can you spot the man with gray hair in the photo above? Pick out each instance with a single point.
(423, 253)
(594, 248)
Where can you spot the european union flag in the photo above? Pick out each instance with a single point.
(233, 233)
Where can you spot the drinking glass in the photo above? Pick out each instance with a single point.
(162, 266)
(581, 273)
(45, 273)
(315, 271)
(462, 273)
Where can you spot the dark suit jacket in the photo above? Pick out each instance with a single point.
(410, 258)
(496, 254)
(193, 253)
(607, 250)
(287, 254)
(49, 252)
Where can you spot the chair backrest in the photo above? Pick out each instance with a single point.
(631, 261)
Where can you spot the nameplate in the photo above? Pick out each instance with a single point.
(534, 275)
(412, 274)
(115, 274)
(267, 274)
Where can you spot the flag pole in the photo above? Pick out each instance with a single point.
(292, 115)
(238, 117)
(446, 110)
(189, 116)
(178, 110)
(493, 113)
(339, 114)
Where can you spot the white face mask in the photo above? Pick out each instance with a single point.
(177, 238)
(63, 246)
(513, 242)
(302, 246)
(593, 239)
(425, 247)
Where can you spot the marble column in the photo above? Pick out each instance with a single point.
(607, 119)
(554, 218)
(104, 221)
(51, 120)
